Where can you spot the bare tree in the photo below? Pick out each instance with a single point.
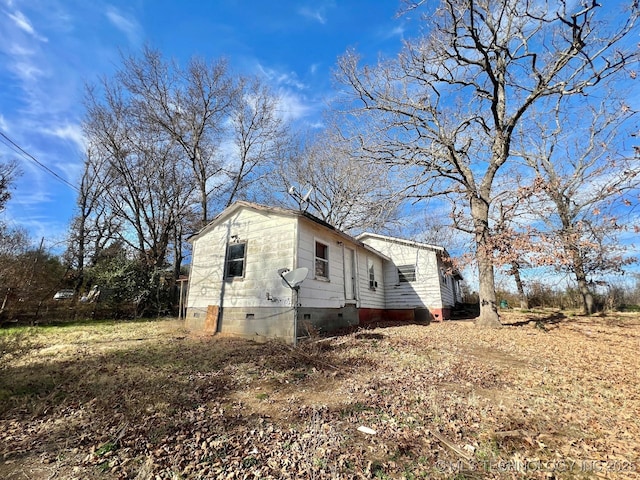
(258, 136)
(448, 105)
(227, 127)
(8, 173)
(171, 145)
(583, 185)
(12, 241)
(93, 226)
(189, 105)
(142, 181)
(512, 243)
(345, 192)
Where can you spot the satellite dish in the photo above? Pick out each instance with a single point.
(295, 277)
(292, 190)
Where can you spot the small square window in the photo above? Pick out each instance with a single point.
(322, 260)
(406, 273)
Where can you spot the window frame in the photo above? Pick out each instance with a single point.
(371, 272)
(228, 260)
(317, 259)
(408, 275)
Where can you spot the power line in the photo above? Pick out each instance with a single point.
(18, 149)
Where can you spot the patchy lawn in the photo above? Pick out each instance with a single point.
(545, 397)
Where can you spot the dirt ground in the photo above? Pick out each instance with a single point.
(549, 395)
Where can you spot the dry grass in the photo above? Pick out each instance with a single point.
(547, 396)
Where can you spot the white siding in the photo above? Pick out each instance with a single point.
(425, 291)
(371, 297)
(320, 293)
(270, 246)
(447, 292)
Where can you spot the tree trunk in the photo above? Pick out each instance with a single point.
(587, 298)
(588, 306)
(488, 306)
(82, 240)
(524, 302)
(4, 301)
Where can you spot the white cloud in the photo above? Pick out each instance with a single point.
(289, 79)
(127, 25)
(71, 132)
(395, 32)
(27, 71)
(34, 198)
(23, 23)
(314, 14)
(19, 50)
(38, 226)
(292, 107)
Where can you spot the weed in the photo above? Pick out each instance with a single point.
(377, 470)
(248, 462)
(105, 448)
(15, 343)
(487, 451)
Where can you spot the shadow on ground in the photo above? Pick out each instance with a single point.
(540, 321)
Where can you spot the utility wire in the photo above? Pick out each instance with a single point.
(18, 149)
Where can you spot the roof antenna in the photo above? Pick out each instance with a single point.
(303, 200)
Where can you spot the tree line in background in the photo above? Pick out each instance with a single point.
(511, 117)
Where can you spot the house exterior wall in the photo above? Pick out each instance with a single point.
(371, 297)
(317, 292)
(425, 291)
(330, 293)
(258, 303)
(324, 305)
(447, 287)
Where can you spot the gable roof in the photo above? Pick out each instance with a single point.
(402, 241)
(423, 246)
(287, 212)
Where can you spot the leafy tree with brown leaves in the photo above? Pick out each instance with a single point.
(583, 188)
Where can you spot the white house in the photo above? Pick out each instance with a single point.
(417, 276)
(235, 286)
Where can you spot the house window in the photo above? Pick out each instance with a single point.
(406, 273)
(322, 260)
(372, 274)
(236, 256)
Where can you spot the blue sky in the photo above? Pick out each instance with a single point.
(51, 49)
